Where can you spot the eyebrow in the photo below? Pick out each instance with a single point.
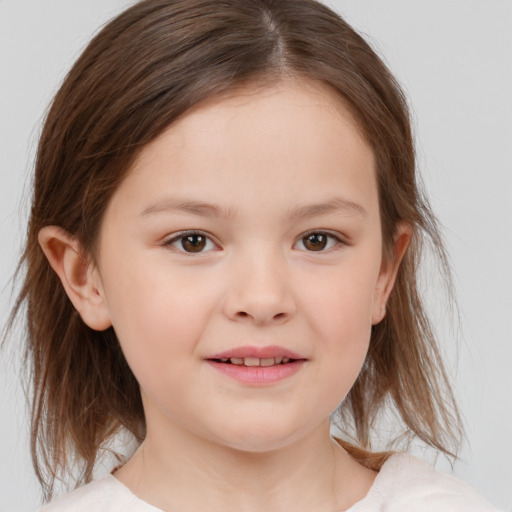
(205, 209)
(199, 208)
(334, 205)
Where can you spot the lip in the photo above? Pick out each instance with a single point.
(257, 375)
(259, 352)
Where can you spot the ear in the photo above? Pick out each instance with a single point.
(388, 271)
(78, 275)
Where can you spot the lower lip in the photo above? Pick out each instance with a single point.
(258, 374)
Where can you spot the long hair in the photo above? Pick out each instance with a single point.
(143, 71)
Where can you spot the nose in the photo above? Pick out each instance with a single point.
(260, 292)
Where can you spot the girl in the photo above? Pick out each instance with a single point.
(222, 252)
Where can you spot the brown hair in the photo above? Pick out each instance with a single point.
(143, 70)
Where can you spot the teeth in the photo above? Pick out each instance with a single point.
(255, 361)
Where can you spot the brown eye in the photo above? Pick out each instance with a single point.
(191, 242)
(315, 241)
(318, 241)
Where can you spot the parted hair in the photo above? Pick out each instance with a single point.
(141, 72)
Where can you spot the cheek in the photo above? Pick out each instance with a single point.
(339, 303)
(158, 317)
(345, 327)
(339, 313)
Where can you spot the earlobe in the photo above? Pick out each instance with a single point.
(78, 276)
(389, 270)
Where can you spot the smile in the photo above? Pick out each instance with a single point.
(255, 361)
(257, 365)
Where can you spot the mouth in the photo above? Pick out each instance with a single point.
(257, 356)
(257, 365)
(255, 361)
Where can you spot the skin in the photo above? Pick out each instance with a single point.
(260, 157)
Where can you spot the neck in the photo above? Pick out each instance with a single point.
(180, 471)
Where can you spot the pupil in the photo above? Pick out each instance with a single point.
(193, 243)
(315, 242)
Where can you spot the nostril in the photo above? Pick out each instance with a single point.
(277, 316)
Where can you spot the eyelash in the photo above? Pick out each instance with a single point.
(180, 237)
(330, 236)
(173, 241)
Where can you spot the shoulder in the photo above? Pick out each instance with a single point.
(97, 495)
(106, 494)
(406, 483)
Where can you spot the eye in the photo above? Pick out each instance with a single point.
(191, 242)
(317, 241)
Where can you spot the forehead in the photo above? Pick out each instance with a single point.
(309, 102)
(297, 137)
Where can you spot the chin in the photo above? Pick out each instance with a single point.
(262, 437)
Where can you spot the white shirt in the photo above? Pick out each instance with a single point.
(404, 484)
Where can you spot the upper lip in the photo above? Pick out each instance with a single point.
(257, 352)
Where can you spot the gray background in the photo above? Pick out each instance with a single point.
(454, 59)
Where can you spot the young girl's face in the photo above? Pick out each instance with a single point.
(240, 263)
